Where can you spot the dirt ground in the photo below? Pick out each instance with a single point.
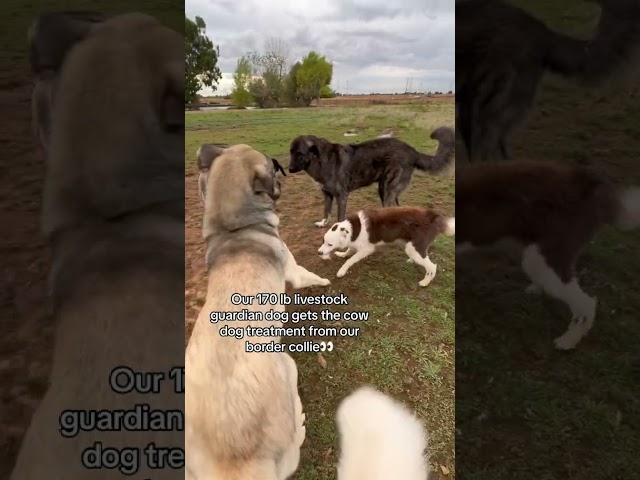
(320, 454)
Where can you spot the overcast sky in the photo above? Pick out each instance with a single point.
(374, 45)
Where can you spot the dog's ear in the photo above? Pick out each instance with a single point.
(52, 35)
(277, 167)
(265, 182)
(312, 146)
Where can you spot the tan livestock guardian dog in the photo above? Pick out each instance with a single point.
(113, 213)
(244, 417)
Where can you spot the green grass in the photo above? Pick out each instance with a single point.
(523, 409)
(406, 348)
(271, 131)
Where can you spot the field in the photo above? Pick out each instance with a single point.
(407, 346)
(364, 100)
(523, 409)
(356, 100)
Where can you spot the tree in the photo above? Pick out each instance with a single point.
(326, 92)
(267, 91)
(291, 86)
(314, 73)
(201, 59)
(276, 56)
(274, 59)
(241, 78)
(258, 91)
(271, 66)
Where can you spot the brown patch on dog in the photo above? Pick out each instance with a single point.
(356, 227)
(420, 226)
(555, 206)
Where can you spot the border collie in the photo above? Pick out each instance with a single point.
(551, 211)
(360, 234)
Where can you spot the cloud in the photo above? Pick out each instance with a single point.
(375, 45)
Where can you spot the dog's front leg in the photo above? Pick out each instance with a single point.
(328, 203)
(300, 277)
(342, 207)
(359, 255)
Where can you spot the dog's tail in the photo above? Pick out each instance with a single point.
(445, 153)
(449, 228)
(380, 439)
(614, 45)
(628, 212)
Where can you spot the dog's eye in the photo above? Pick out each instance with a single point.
(330, 244)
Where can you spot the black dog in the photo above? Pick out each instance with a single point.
(341, 169)
(502, 53)
(207, 153)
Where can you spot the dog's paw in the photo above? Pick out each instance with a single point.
(578, 328)
(533, 289)
(300, 436)
(322, 223)
(324, 282)
(427, 278)
(567, 341)
(341, 273)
